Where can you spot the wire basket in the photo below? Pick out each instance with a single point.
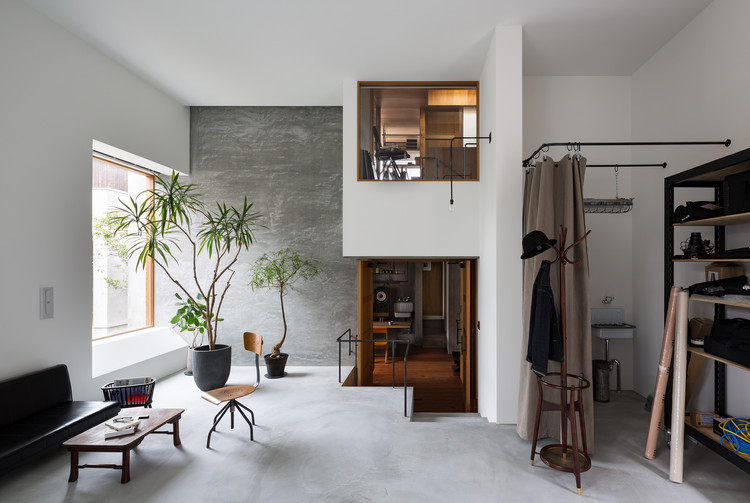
(618, 205)
(134, 392)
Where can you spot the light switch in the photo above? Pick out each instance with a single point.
(46, 303)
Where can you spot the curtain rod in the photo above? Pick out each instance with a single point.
(578, 145)
(662, 165)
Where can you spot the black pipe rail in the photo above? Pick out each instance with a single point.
(392, 345)
(576, 145)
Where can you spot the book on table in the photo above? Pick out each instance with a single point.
(122, 422)
(119, 433)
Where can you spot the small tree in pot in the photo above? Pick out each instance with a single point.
(280, 271)
(159, 220)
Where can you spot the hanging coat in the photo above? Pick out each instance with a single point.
(545, 341)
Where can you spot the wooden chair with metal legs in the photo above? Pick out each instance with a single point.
(230, 394)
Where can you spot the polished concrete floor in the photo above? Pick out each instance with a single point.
(318, 442)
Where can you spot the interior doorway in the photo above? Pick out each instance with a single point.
(432, 305)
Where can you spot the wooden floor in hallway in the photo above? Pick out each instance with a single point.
(430, 371)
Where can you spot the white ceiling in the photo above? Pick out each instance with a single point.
(297, 52)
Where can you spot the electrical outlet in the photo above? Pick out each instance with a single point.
(46, 303)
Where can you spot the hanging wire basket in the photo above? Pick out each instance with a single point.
(617, 205)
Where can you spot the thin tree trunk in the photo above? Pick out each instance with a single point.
(277, 348)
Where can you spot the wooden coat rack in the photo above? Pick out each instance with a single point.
(571, 389)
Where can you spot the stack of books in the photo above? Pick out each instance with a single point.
(120, 426)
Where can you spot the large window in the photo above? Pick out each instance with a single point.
(123, 295)
(418, 131)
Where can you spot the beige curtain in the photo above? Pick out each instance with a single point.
(553, 196)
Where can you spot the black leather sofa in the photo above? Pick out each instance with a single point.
(37, 414)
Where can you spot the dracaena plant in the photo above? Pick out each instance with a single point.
(160, 221)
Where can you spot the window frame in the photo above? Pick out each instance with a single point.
(413, 84)
(149, 267)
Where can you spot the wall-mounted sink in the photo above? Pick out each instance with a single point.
(607, 323)
(612, 330)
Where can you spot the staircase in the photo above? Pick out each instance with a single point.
(433, 334)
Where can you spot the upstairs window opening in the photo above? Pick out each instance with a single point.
(406, 131)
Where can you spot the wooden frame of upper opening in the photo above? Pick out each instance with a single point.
(457, 85)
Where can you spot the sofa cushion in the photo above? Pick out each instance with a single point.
(38, 415)
(28, 394)
(48, 429)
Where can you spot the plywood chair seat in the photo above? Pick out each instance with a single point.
(221, 395)
(230, 394)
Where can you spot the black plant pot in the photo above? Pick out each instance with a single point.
(211, 367)
(275, 365)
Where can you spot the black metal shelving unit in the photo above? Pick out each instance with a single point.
(709, 175)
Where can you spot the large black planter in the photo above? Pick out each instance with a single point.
(211, 367)
(275, 366)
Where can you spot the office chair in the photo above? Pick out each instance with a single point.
(389, 154)
(230, 394)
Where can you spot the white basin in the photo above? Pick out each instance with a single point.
(607, 323)
(621, 331)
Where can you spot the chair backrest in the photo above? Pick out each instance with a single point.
(377, 137)
(254, 344)
(366, 173)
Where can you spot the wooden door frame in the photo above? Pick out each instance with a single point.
(365, 357)
(468, 358)
(468, 295)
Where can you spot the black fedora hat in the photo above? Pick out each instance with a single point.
(534, 243)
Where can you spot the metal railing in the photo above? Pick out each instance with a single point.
(391, 344)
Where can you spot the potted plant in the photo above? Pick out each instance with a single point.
(157, 222)
(189, 318)
(280, 271)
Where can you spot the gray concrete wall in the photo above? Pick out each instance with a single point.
(287, 161)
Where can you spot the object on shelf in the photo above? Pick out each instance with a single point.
(696, 210)
(727, 286)
(736, 435)
(734, 253)
(699, 328)
(696, 247)
(719, 424)
(701, 419)
(737, 193)
(722, 271)
(729, 340)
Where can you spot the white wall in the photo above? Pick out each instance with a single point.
(404, 219)
(694, 88)
(593, 109)
(57, 95)
(500, 267)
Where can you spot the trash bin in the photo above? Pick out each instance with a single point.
(601, 380)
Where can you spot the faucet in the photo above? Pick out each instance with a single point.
(612, 363)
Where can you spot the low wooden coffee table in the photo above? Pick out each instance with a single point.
(93, 440)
